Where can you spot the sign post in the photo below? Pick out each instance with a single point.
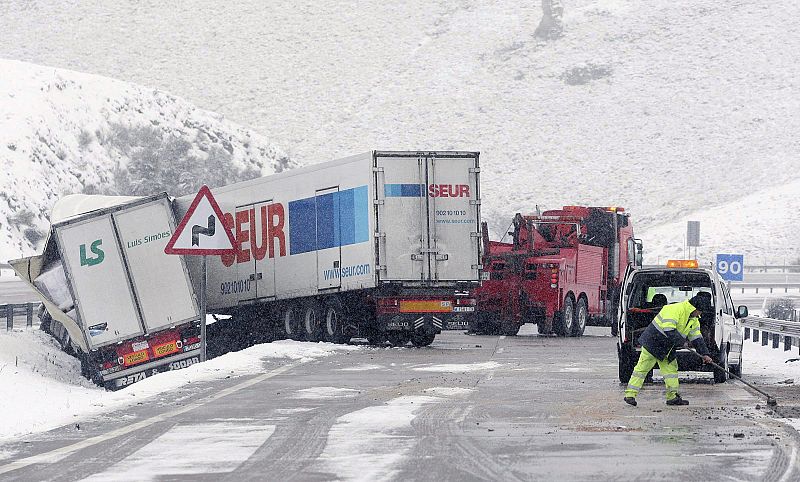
(206, 235)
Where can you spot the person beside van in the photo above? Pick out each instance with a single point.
(669, 330)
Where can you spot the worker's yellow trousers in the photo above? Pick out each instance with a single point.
(669, 370)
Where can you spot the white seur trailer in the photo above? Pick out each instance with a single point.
(382, 245)
(129, 309)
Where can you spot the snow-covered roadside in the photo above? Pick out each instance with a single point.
(41, 387)
(769, 364)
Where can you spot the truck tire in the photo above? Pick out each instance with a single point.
(510, 329)
(627, 360)
(581, 317)
(543, 327)
(290, 318)
(333, 329)
(565, 320)
(422, 339)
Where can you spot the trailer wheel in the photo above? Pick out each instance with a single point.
(422, 339)
(398, 338)
(290, 317)
(581, 316)
(333, 331)
(312, 321)
(563, 322)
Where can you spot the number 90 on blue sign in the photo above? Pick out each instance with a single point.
(730, 266)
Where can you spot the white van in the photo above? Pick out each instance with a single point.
(645, 290)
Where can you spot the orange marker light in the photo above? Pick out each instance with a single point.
(682, 263)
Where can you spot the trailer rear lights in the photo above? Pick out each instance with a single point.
(107, 365)
(192, 340)
(465, 301)
(388, 302)
(682, 263)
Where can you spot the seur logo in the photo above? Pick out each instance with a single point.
(95, 247)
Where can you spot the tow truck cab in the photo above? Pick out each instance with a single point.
(646, 290)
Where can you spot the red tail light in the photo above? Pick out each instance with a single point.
(465, 301)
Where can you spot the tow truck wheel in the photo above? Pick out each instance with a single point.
(422, 339)
(333, 331)
(398, 338)
(375, 337)
(581, 316)
(510, 329)
(312, 321)
(564, 321)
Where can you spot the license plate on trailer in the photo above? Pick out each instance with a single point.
(165, 349)
(140, 345)
(136, 357)
(426, 306)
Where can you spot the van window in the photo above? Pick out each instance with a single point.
(728, 304)
(657, 287)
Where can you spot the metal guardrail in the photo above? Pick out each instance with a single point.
(769, 329)
(13, 310)
(772, 287)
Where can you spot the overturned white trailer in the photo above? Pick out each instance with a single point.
(129, 309)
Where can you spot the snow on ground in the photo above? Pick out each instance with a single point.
(459, 367)
(42, 387)
(321, 393)
(769, 364)
(449, 391)
(666, 108)
(362, 368)
(368, 444)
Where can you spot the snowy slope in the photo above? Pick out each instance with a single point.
(686, 105)
(63, 132)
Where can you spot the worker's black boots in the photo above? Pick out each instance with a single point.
(677, 401)
(630, 401)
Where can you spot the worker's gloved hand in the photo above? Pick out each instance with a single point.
(707, 359)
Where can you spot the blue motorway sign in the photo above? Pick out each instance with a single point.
(730, 266)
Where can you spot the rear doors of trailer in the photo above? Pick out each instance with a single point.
(428, 215)
(123, 283)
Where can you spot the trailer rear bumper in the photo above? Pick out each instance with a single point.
(427, 322)
(126, 377)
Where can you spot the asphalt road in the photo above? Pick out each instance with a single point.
(466, 408)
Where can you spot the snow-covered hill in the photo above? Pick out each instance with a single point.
(666, 108)
(63, 132)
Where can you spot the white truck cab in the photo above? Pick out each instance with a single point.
(645, 290)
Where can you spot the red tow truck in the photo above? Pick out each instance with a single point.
(562, 271)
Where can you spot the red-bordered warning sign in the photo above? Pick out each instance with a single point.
(201, 231)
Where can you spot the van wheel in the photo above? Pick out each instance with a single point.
(333, 328)
(721, 376)
(627, 361)
(290, 316)
(581, 316)
(563, 322)
(312, 321)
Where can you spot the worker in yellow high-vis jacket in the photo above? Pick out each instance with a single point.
(669, 330)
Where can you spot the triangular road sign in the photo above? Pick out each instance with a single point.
(201, 231)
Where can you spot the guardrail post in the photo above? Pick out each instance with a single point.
(755, 335)
(746, 333)
(776, 340)
(765, 339)
(30, 315)
(9, 317)
(787, 343)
